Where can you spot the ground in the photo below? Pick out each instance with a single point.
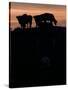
(37, 56)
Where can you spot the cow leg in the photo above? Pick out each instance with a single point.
(24, 25)
(29, 25)
(37, 25)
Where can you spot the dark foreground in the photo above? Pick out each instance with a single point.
(37, 57)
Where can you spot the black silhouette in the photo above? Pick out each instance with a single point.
(25, 20)
(38, 20)
(37, 58)
(46, 19)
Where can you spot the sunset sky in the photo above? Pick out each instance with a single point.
(17, 9)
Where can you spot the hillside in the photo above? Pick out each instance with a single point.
(38, 56)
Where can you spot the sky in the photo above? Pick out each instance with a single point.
(17, 9)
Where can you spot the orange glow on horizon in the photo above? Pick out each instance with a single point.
(36, 9)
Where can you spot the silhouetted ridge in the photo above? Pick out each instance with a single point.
(42, 28)
(38, 56)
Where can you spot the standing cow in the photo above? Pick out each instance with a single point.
(38, 20)
(25, 20)
(46, 18)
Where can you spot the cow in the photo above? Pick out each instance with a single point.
(25, 20)
(38, 19)
(46, 18)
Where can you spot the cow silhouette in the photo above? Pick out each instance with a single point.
(25, 21)
(46, 19)
(38, 19)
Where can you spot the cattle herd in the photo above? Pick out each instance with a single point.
(45, 19)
